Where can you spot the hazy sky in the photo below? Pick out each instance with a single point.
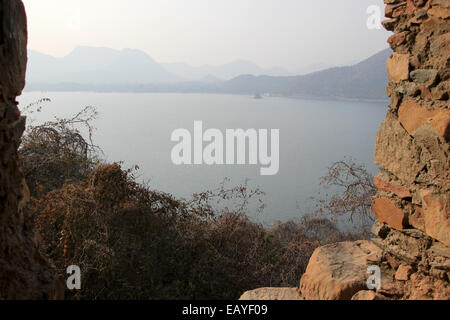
(288, 33)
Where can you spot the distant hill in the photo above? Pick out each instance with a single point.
(313, 68)
(225, 72)
(92, 65)
(103, 69)
(365, 80)
(100, 66)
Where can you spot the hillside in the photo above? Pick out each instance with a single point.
(365, 80)
(91, 65)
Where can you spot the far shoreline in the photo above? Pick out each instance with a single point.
(250, 95)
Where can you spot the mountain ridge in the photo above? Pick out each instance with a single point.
(131, 70)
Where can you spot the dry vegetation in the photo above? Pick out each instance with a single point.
(353, 189)
(132, 242)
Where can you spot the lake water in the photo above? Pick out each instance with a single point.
(136, 128)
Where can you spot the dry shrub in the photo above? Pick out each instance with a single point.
(135, 243)
(55, 151)
(353, 189)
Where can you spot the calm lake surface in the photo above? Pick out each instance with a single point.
(136, 128)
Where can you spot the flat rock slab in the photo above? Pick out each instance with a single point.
(272, 294)
(338, 271)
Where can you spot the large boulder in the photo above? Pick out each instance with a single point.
(338, 271)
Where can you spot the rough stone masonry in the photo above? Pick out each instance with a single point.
(24, 273)
(412, 244)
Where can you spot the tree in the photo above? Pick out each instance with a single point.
(354, 189)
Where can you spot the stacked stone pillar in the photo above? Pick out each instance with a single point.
(412, 150)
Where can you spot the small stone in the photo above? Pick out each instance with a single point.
(420, 3)
(422, 14)
(424, 75)
(389, 25)
(436, 217)
(399, 191)
(416, 218)
(412, 116)
(441, 3)
(386, 211)
(393, 262)
(403, 272)
(368, 295)
(397, 39)
(397, 67)
(394, 10)
(439, 12)
(392, 289)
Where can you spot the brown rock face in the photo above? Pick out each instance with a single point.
(24, 273)
(386, 211)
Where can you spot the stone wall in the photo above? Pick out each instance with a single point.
(412, 244)
(412, 150)
(24, 273)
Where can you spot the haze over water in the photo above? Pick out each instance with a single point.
(136, 129)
